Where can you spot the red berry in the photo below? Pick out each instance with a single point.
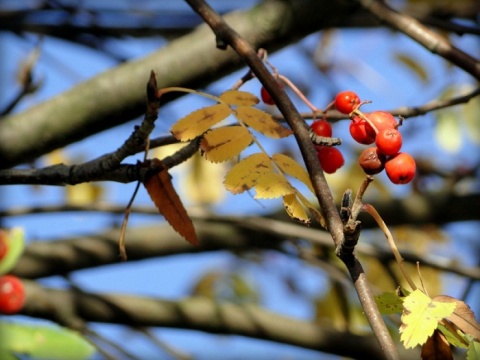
(330, 158)
(12, 294)
(381, 120)
(359, 132)
(3, 244)
(322, 128)
(389, 141)
(371, 161)
(266, 98)
(400, 168)
(346, 101)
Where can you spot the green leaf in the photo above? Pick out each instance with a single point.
(420, 318)
(389, 303)
(15, 240)
(43, 342)
(448, 131)
(473, 352)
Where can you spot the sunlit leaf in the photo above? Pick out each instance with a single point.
(471, 111)
(453, 339)
(261, 121)
(225, 143)
(448, 131)
(473, 352)
(239, 98)
(389, 303)
(244, 175)
(272, 185)
(420, 318)
(197, 182)
(199, 121)
(168, 203)
(84, 193)
(295, 209)
(412, 64)
(293, 168)
(206, 285)
(436, 348)
(44, 342)
(15, 242)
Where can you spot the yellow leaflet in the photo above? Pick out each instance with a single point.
(199, 121)
(261, 122)
(293, 168)
(295, 209)
(244, 175)
(239, 98)
(224, 143)
(420, 318)
(272, 185)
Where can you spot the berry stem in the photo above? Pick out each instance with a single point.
(312, 107)
(361, 115)
(400, 261)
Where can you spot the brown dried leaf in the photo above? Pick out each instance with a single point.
(463, 317)
(168, 203)
(437, 348)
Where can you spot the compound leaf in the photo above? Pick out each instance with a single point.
(261, 121)
(224, 143)
(295, 209)
(199, 121)
(272, 185)
(420, 318)
(293, 168)
(239, 98)
(244, 175)
(168, 203)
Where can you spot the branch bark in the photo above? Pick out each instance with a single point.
(73, 307)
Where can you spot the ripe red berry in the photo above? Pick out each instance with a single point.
(389, 141)
(346, 101)
(400, 168)
(330, 158)
(266, 98)
(381, 120)
(3, 244)
(371, 161)
(322, 128)
(12, 294)
(359, 132)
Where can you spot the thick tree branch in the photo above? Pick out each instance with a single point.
(69, 306)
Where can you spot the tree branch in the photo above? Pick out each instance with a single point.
(68, 306)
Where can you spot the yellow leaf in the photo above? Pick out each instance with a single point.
(261, 122)
(293, 168)
(224, 143)
(199, 121)
(196, 184)
(295, 209)
(272, 185)
(420, 318)
(447, 131)
(239, 98)
(83, 194)
(244, 175)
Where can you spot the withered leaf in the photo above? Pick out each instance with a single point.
(168, 203)
(436, 348)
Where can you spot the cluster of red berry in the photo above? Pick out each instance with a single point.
(381, 128)
(12, 292)
(330, 157)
